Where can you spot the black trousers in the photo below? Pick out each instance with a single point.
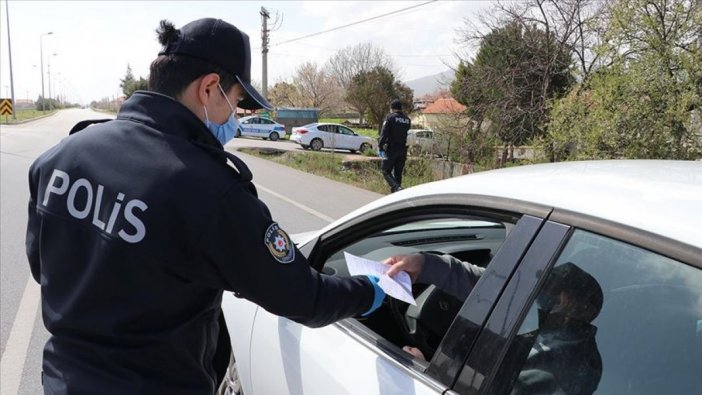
(393, 166)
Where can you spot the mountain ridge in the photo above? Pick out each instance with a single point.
(431, 83)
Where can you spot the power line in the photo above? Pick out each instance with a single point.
(353, 23)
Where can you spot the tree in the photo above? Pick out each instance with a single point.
(643, 104)
(129, 84)
(350, 61)
(374, 89)
(517, 72)
(315, 88)
(572, 26)
(47, 103)
(284, 94)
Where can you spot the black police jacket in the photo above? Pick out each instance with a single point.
(394, 131)
(135, 227)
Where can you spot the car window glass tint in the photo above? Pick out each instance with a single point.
(610, 318)
(323, 128)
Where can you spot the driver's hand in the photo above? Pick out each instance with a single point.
(412, 264)
(415, 352)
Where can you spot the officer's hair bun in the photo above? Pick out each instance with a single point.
(167, 32)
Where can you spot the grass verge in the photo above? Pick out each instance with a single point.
(24, 115)
(364, 174)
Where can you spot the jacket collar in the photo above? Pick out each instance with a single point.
(168, 116)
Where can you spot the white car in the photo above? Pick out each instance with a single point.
(330, 135)
(264, 128)
(633, 226)
(425, 141)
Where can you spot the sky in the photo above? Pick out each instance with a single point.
(92, 42)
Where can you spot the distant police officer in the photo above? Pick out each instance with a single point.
(137, 225)
(393, 143)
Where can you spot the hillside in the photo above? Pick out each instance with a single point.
(431, 83)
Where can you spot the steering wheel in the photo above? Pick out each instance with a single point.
(425, 324)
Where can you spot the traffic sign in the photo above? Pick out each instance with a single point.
(5, 106)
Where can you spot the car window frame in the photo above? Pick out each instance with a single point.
(344, 129)
(480, 367)
(333, 240)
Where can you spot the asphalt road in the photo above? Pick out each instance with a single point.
(293, 197)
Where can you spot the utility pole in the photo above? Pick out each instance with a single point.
(9, 49)
(51, 103)
(51, 106)
(264, 51)
(41, 60)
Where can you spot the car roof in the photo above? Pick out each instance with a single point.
(658, 196)
(332, 123)
(254, 116)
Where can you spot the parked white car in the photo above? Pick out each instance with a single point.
(264, 128)
(425, 141)
(632, 226)
(330, 135)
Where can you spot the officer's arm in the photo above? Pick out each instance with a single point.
(33, 226)
(242, 251)
(385, 133)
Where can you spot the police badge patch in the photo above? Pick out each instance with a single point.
(279, 244)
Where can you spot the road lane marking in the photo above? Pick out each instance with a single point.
(12, 362)
(296, 204)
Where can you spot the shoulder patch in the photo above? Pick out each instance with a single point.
(279, 244)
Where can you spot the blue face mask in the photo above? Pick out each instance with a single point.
(226, 131)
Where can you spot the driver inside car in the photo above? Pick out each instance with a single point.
(561, 355)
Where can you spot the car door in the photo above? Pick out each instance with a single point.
(326, 133)
(348, 139)
(334, 136)
(629, 321)
(365, 356)
(252, 127)
(266, 127)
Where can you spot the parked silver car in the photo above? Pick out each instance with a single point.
(330, 135)
(426, 142)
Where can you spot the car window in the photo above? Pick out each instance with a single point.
(346, 130)
(266, 121)
(323, 128)
(610, 318)
(471, 239)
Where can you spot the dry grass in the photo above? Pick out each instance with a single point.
(363, 174)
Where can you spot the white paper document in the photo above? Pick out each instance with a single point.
(398, 286)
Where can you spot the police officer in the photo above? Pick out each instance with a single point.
(393, 145)
(137, 225)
